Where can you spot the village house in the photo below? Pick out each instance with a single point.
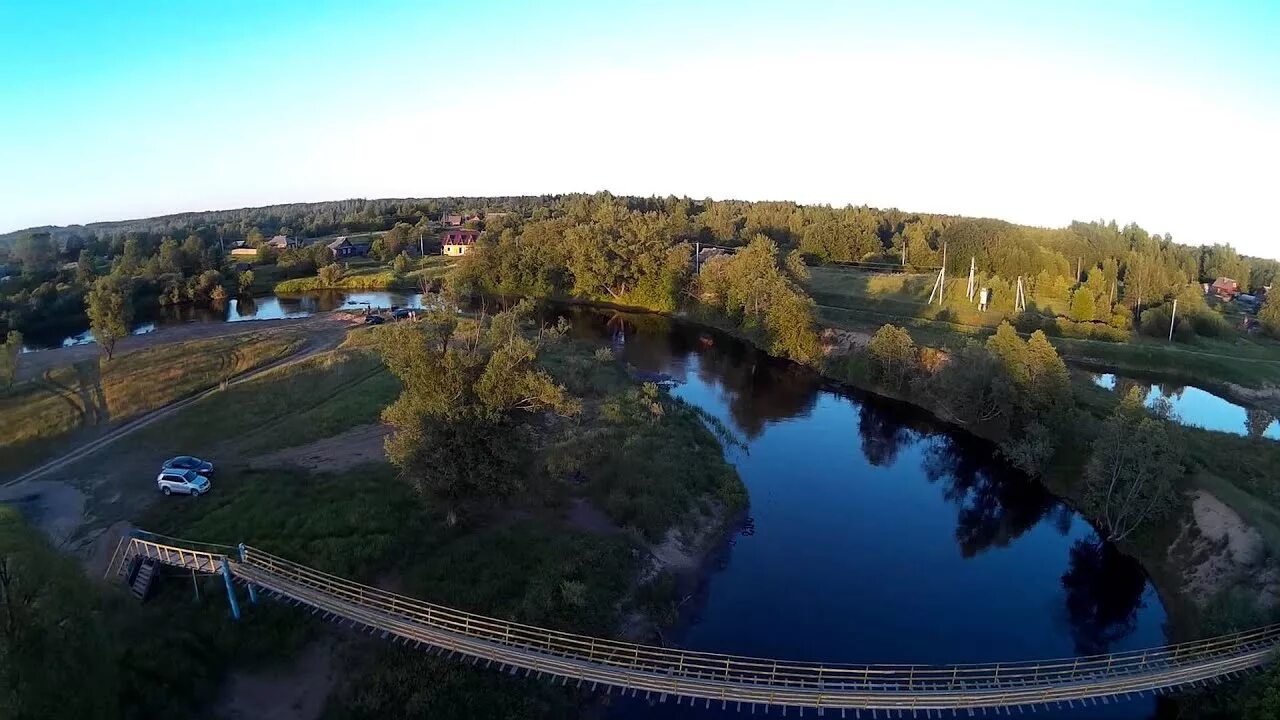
(1225, 288)
(244, 252)
(283, 242)
(451, 220)
(459, 242)
(342, 247)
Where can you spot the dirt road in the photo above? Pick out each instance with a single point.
(37, 363)
(323, 333)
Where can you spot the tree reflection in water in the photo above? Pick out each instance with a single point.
(996, 504)
(883, 435)
(1104, 593)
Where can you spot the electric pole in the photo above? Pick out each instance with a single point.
(1173, 319)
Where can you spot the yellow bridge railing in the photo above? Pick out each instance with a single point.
(721, 678)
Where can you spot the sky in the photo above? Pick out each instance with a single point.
(1162, 113)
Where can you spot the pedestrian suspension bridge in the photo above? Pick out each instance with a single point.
(700, 678)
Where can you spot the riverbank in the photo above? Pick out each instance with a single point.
(1188, 557)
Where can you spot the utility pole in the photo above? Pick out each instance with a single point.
(973, 267)
(697, 259)
(1173, 319)
(421, 251)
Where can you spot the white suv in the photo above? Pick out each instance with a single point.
(183, 482)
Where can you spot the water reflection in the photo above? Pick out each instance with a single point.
(1196, 407)
(995, 505)
(1105, 590)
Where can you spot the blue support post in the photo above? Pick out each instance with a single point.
(231, 590)
(253, 593)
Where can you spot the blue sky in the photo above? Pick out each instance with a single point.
(1162, 113)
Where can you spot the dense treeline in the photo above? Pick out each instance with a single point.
(1090, 279)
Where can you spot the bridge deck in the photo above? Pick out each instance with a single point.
(714, 677)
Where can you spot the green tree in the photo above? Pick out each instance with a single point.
(171, 256)
(1135, 463)
(84, 268)
(754, 288)
(110, 308)
(38, 253)
(1269, 315)
(330, 275)
(400, 265)
(457, 432)
(246, 282)
(1082, 305)
(10, 353)
(130, 262)
(893, 355)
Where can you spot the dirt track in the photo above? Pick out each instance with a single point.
(323, 333)
(35, 364)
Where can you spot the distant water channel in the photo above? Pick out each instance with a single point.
(879, 535)
(1198, 408)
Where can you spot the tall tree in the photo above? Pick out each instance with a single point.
(457, 432)
(38, 253)
(1135, 463)
(110, 308)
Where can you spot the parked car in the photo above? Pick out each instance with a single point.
(187, 462)
(374, 320)
(182, 482)
(402, 313)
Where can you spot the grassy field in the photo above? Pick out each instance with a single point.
(316, 398)
(863, 302)
(95, 394)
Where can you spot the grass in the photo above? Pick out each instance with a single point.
(297, 404)
(97, 393)
(644, 458)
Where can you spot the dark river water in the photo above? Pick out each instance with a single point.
(879, 535)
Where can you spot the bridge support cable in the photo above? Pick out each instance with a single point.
(716, 677)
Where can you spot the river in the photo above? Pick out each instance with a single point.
(878, 534)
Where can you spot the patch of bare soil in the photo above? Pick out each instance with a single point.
(1223, 551)
(358, 446)
(56, 508)
(842, 342)
(296, 692)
